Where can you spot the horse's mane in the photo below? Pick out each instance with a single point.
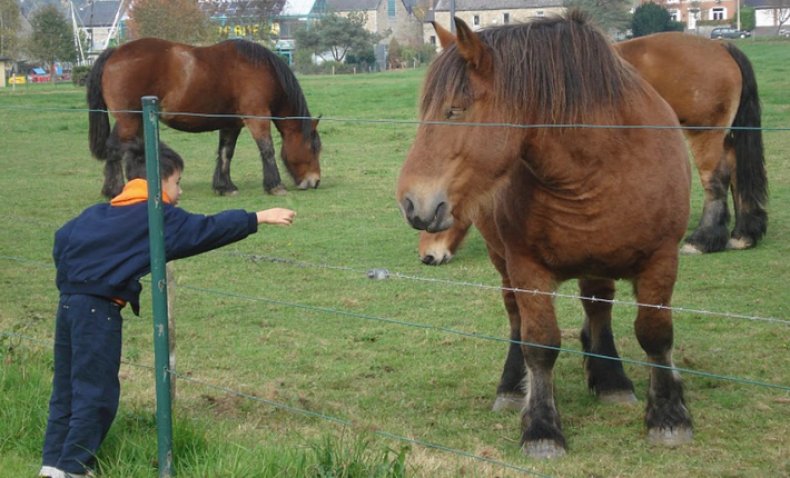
(293, 91)
(553, 70)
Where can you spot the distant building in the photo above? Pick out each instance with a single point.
(692, 12)
(770, 15)
(389, 19)
(101, 23)
(486, 13)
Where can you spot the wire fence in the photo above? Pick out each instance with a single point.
(473, 335)
(378, 272)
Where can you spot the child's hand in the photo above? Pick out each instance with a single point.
(277, 215)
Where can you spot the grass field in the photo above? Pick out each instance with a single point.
(291, 361)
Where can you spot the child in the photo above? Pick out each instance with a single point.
(100, 257)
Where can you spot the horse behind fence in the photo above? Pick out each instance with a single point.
(222, 87)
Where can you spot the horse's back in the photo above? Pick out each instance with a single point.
(185, 78)
(691, 73)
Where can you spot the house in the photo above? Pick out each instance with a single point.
(486, 13)
(691, 12)
(389, 19)
(770, 16)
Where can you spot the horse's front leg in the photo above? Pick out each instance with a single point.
(667, 418)
(510, 391)
(222, 184)
(711, 234)
(261, 132)
(605, 377)
(541, 435)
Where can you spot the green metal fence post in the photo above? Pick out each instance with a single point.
(164, 419)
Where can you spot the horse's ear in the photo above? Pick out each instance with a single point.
(471, 48)
(315, 122)
(446, 37)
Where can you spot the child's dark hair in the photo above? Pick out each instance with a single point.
(134, 161)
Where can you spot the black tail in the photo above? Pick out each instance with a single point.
(98, 118)
(751, 180)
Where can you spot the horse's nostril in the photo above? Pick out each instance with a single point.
(408, 207)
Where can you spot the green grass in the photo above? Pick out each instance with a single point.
(315, 334)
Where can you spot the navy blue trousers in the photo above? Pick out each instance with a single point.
(85, 386)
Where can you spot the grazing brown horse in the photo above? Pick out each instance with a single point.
(562, 202)
(222, 87)
(681, 68)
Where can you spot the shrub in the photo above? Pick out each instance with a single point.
(79, 74)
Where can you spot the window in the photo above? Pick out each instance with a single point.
(506, 18)
(476, 20)
(539, 13)
(391, 8)
(674, 15)
(432, 40)
(717, 14)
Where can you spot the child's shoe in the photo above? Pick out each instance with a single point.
(50, 472)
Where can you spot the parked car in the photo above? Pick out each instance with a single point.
(729, 32)
(784, 32)
(38, 75)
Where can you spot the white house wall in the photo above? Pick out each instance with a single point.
(487, 18)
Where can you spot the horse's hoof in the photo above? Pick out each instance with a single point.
(229, 193)
(669, 437)
(620, 397)
(543, 449)
(690, 249)
(278, 191)
(508, 401)
(739, 243)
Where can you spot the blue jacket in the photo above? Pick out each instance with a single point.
(105, 250)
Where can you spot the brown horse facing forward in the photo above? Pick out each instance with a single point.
(222, 87)
(595, 204)
(679, 67)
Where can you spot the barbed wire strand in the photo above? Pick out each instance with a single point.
(409, 122)
(398, 275)
(188, 377)
(280, 260)
(474, 335)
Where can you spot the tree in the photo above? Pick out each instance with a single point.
(652, 18)
(52, 39)
(748, 18)
(10, 26)
(781, 12)
(175, 20)
(609, 15)
(336, 35)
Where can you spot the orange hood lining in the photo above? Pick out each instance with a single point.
(134, 192)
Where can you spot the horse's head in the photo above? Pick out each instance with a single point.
(459, 156)
(300, 153)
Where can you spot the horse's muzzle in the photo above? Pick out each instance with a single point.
(309, 182)
(433, 216)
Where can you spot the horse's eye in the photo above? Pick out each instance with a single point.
(454, 113)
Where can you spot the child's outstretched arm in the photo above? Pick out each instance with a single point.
(277, 215)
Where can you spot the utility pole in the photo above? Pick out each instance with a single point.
(738, 14)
